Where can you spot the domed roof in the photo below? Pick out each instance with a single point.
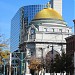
(48, 13)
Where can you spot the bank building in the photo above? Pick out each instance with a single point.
(36, 30)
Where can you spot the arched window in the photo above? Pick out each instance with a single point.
(32, 31)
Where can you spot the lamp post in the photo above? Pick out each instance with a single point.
(52, 55)
(0, 69)
(42, 56)
(7, 70)
(10, 64)
(4, 66)
(14, 64)
(21, 65)
(43, 66)
(16, 70)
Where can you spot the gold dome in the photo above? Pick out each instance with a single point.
(48, 13)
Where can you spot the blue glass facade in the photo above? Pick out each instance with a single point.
(24, 15)
(31, 10)
(15, 31)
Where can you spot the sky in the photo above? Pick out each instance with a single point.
(8, 8)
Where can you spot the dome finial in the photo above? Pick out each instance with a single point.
(48, 5)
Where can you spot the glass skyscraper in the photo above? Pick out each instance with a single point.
(21, 20)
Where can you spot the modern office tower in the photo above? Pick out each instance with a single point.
(21, 21)
(57, 5)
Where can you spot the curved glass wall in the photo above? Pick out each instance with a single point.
(23, 16)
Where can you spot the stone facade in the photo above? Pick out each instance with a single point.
(42, 35)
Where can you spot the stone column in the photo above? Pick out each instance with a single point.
(27, 68)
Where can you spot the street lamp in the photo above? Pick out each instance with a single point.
(0, 69)
(43, 63)
(4, 66)
(52, 52)
(42, 55)
(10, 63)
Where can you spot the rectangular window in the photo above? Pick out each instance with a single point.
(68, 31)
(45, 29)
(53, 29)
(60, 30)
(31, 53)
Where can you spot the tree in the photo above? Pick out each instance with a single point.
(4, 53)
(4, 58)
(35, 64)
(62, 64)
(56, 64)
(59, 65)
(48, 63)
(50, 58)
(69, 64)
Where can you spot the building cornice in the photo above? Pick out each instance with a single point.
(42, 32)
